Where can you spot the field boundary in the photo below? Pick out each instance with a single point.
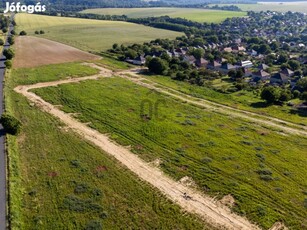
(190, 200)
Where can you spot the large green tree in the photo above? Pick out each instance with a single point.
(157, 65)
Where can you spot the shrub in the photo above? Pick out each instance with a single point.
(296, 94)
(94, 225)
(266, 177)
(41, 32)
(1, 42)
(11, 40)
(36, 32)
(81, 188)
(8, 53)
(13, 32)
(264, 172)
(23, 33)
(10, 124)
(8, 64)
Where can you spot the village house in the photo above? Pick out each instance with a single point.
(287, 72)
(279, 79)
(214, 65)
(260, 75)
(202, 63)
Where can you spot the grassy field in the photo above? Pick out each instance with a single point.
(89, 35)
(246, 100)
(59, 181)
(199, 15)
(273, 6)
(264, 171)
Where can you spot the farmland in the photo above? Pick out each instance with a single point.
(273, 6)
(74, 185)
(33, 52)
(222, 155)
(199, 15)
(89, 35)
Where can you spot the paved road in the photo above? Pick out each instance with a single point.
(3, 223)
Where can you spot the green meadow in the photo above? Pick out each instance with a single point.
(59, 181)
(246, 100)
(263, 170)
(199, 15)
(89, 35)
(273, 6)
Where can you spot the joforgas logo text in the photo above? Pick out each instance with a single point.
(18, 7)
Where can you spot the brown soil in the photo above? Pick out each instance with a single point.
(33, 52)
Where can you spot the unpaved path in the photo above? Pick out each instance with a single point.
(262, 120)
(190, 200)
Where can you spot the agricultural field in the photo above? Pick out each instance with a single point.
(199, 15)
(89, 35)
(246, 100)
(273, 6)
(74, 185)
(263, 170)
(33, 52)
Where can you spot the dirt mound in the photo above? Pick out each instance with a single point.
(33, 52)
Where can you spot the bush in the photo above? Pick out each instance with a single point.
(23, 33)
(1, 42)
(296, 94)
(8, 64)
(93, 225)
(41, 32)
(13, 32)
(266, 177)
(8, 53)
(271, 94)
(11, 40)
(10, 124)
(36, 32)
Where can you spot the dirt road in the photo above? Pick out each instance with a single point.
(262, 120)
(190, 200)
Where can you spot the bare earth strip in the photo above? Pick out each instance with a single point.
(33, 52)
(206, 207)
(262, 120)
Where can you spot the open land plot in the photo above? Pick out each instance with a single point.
(90, 35)
(273, 6)
(199, 15)
(60, 181)
(262, 170)
(33, 52)
(245, 100)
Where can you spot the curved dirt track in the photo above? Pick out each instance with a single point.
(190, 200)
(262, 120)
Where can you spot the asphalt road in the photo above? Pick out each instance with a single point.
(3, 194)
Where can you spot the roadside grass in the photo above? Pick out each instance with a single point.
(246, 100)
(29, 76)
(89, 35)
(264, 171)
(273, 6)
(59, 181)
(199, 15)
